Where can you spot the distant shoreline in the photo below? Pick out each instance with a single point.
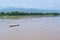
(16, 13)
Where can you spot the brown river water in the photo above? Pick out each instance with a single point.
(30, 28)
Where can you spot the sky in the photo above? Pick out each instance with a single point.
(38, 4)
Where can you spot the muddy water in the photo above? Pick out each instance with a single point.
(36, 28)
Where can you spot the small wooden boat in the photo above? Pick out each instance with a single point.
(14, 25)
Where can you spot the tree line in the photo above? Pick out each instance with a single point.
(16, 13)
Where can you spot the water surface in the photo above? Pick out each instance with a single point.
(31, 28)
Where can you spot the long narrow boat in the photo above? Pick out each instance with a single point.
(14, 25)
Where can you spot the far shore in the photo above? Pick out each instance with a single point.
(16, 14)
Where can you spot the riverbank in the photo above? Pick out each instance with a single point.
(16, 13)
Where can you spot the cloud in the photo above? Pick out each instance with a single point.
(40, 4)
(50, 5)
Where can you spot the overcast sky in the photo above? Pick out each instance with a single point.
(39, 4)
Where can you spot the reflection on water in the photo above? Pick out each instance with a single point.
(25, 16)
(31, 28)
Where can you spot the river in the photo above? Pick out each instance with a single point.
(30, 28)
